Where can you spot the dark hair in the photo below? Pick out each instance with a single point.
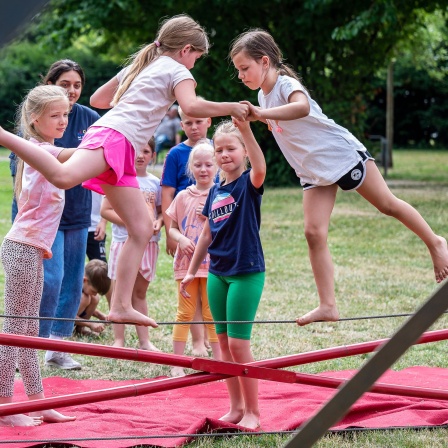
(257, 43)
(96, 274)
(60, 67)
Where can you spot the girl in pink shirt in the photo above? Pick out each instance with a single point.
(44, 117)
(186, 227)
(141, 94)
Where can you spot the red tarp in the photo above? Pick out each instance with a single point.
(196, 409)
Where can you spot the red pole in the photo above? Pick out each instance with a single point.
(83, 348)
(194, 379)
(200, 378)
(170, 359)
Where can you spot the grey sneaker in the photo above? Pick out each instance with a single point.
(61, 361)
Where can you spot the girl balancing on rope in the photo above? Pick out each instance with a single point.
(44, 117)
(325, 156)
(237, 269)
(140, 95)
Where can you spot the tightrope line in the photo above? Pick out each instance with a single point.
(202, 322)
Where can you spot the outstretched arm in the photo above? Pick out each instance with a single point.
(254, 153)
(193, 106)
(104, 95)
(298, 107)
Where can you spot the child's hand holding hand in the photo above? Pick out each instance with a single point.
(254, 112)
(240, 111)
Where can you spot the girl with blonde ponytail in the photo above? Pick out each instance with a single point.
(140, 95)
(42, 118)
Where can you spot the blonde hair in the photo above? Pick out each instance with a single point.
(228, 128)
(172, 36)
(257, 43)
(34, 105)
(202, 146)
(181, 113)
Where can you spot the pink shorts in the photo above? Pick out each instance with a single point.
(147, 266)
(119, 155)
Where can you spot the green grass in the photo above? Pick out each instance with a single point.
(380, 268)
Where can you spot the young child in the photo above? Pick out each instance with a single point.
(141, 94)
(237, 269)
(174, 180)
(43, 117)
(325, 156)
(150, 187)
(187, 223)
(95, 284)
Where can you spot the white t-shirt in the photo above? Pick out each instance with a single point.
(319, 150)
(145, 103)
(151, 184)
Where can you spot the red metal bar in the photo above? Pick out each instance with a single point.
(200, 378)
(194, 379)
(83, 348)
(246, 370)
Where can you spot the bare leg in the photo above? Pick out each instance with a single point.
(236, 411)
(318, 204)
(141, 305)
(375, 190)
(197, 332)
(241, 353)
(178, 349)
(49, 415)
(18, 419)
(131, 207)
(84, 163)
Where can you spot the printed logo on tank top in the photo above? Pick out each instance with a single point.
(81, 134)
(223, 206)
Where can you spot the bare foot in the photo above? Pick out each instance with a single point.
(52, 416)
(176, 372)
(320, 313)
(207, 345)
(118, 343)
(439, 255)
(232, 416)
(20, 420)
(131, 316)
(200, 350)
(250, 421)
(149, 346)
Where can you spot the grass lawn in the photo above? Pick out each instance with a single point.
(380, 268)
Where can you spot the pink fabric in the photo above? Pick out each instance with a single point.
(119, 155)
(183, 210)
(196, 409)
(147, 266)
(40, 207)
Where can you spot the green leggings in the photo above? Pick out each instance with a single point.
(235, 298)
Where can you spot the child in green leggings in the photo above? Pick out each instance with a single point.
(237, 268)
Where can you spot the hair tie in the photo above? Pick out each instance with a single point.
(157, 43)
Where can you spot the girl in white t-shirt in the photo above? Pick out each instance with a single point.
(152, 193)
(187, 222)
(141, 94)
(43, 117)
(324, 156)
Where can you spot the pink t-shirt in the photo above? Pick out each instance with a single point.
(183, 211)
(40, 208)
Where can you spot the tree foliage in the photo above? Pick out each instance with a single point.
(337, 47)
